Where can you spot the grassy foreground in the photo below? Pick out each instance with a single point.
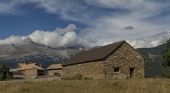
(87, 86)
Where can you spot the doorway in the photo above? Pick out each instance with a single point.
(132, 72)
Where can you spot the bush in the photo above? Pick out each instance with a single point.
(77, 76)
(166, 73)
(57, 74)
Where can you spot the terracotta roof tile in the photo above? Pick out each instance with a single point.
(30, 66)
(22, 64)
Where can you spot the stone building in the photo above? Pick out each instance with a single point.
(117, 60)
(30, 69)
(16, 74)
(54, 69)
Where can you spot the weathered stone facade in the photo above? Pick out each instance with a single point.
(34, 72)
(51, 72)
(125, 60)
(90, 69)
(31, 72)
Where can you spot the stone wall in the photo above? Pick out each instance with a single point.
(52, 71)
(31, 72)
(90, 70)
(124, 59)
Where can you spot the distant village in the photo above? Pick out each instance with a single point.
(117, 60)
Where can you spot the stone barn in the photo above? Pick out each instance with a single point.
(55, 69)
(117, 60)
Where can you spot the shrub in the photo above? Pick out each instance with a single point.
(166, 73)
(57, 74)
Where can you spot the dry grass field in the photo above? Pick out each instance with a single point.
(87, 86)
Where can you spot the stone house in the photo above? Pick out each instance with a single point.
(117, 60)
(54, 69)
(30, 69)
(16, 74)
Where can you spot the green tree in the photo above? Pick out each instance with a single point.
(166, 54)
(4, 72)
(166, 73)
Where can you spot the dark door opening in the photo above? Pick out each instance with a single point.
(132, 70)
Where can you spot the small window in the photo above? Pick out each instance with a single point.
(116, 69)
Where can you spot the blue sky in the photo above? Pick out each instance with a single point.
(58, 23)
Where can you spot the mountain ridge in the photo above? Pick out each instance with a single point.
(153, 68)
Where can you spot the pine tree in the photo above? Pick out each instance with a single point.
(4, 72)
(166, 54)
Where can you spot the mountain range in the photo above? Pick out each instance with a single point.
(34, 52)
(41, 54)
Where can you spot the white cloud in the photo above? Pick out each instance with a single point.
(107, 43)
(69, 38)
(6, 9)
(139, 14)
(160, 38)
(58, 38)
(16, 40)
(139, 43)
(157, 39)
(106, 19)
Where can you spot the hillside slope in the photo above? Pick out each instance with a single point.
(153, 67)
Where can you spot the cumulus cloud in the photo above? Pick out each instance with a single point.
(64, 37)
(136, 43)
(84, 32)
(147, 16)
(16, 40)
(58, 38)
(160, 38)
(139, 43)
(157, 39)
(107, 43)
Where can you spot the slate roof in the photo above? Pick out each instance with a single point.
(96, 54)
(93, 54)
(55, 66)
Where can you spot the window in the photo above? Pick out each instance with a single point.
(116, 69)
